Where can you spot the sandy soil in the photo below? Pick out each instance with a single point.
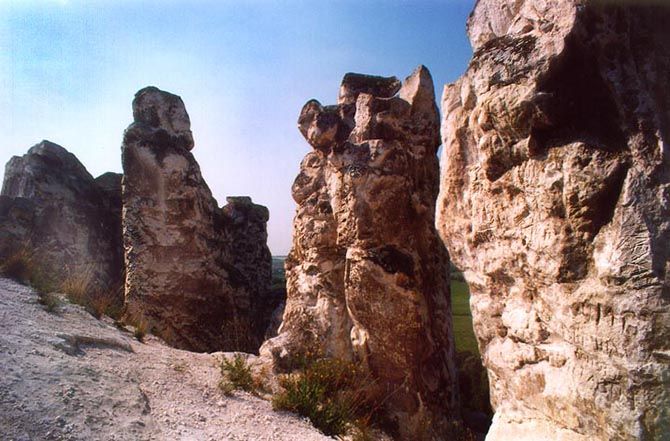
(69, 376)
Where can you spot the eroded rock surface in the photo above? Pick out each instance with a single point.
(366, 275)
(178, 274)
(554, 200)
(246, 228)
(54, 210)
(198, 274)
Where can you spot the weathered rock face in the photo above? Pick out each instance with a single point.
(246, 228)
(366, 276)
(554, 200)
(180, 277)
(17, 216)
(56, 211)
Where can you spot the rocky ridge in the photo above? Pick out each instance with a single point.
(246, 228)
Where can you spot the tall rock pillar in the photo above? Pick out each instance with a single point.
(555, 201)
(179, 275)
(366, 276)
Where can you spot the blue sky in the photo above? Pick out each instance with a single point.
(69, 70)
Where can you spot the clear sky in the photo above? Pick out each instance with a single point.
(69, 70)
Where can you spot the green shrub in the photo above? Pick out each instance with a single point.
(226, 387)
(50, 301)
(238, 373)
(333, 394)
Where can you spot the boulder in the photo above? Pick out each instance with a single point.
(554, 200)
(55, 211)
(367, 272)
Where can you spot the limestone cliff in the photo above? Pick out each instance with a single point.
(555, 199)
(366, 275)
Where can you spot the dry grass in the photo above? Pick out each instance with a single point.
(140, 325)
(141, 329)
(77, 286)
(23, 267)
(18, 266)
(81, 289)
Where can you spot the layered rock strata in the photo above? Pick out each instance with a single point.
(181, 278)
(53, 210)
(555, 199)
(366, 275)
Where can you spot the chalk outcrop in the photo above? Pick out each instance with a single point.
(178, 276)
(196, 273)
(366, 275)
(555, 199)
(53, 209)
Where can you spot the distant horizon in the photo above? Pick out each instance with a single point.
(244, 70)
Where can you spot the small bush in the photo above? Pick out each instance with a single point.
(333, 394)
(238, 373)
(50, 301)
(226, 387)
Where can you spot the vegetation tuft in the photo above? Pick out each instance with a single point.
(236, 375)
(18, 266)
(23, 268)
(141, 328)
(335, 395)
(81, 289)
(50, 301)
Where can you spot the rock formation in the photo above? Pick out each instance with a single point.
(53, 209)
(366, 275)
(555, 199)
(246, 228)
(181, 276)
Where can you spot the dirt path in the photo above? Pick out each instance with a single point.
(68, 376)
